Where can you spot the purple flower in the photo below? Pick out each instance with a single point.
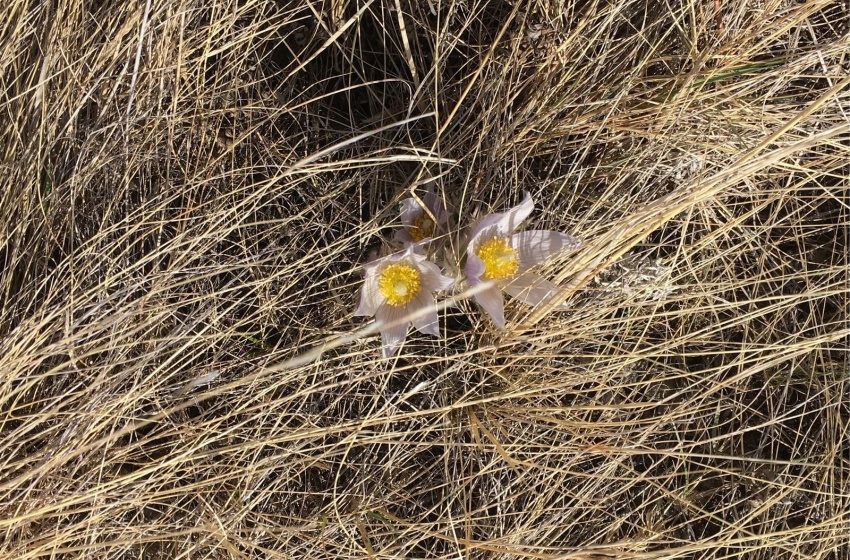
(419, 225)
(496, 253)
(397, 286)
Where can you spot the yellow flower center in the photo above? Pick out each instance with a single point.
(399, 284)
(500, 260)
(422, 227)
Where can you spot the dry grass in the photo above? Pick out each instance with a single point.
(188, 188)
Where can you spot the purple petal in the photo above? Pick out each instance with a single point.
(511, 219)
(435, 205)
(431, 200)
(433, 279)
(370, 266)
(474, 267)
(491, 301)
(391, 336)
(487, 221)
(536, 246)
(410, 210)
(370, 292)
(427, 323)
(391, 258)
(402, 236)
(531, 288)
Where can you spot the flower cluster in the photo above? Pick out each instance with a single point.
(399, 288)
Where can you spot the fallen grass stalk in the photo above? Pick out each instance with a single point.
(189, 192)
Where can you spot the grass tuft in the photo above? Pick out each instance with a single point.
(188, 192)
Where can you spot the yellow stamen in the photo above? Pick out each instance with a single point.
(423, 226)
(500, 260)
(399, 284)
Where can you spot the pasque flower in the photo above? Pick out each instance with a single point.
(494, 252)
(398, 286)
(419, 224)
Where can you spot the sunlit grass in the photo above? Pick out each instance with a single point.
(188, 192)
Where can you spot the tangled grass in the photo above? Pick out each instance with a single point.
(188, 190)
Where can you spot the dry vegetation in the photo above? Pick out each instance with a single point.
(188, 189)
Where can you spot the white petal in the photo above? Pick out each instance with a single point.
(433, 279)
(536, 246)
(487, 221)
(474, 267)
(531, 288)
(409, 252)
(369, 267)
(435, 205)
(511, 219)
(402, 236)
(377, 265)
(415, 251)
(370, 295)
(410, 210)
(428, 323)
(391, 336)
(491, 301)
(430, 198)
(416, 255)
